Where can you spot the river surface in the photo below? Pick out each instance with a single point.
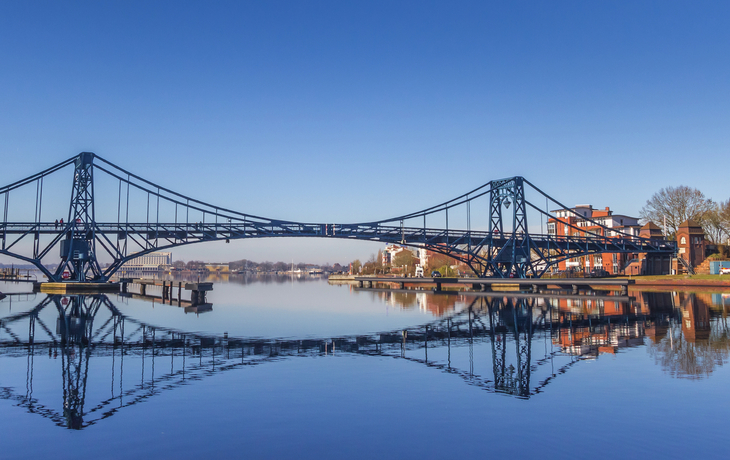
(297, 368)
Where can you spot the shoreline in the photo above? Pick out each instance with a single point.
(655, 282)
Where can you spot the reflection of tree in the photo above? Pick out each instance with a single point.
(692, 348)
(440, 305)
(404, 299)
(683, 358)
(437, 304)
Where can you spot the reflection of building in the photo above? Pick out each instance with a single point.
(695, 317)
(436, 305)
(149, 263)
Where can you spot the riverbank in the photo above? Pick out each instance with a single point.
(684, 282)
(640, 282)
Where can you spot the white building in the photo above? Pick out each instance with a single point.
(149, 263)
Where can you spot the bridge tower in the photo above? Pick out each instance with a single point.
(508, 252)
(78, 248)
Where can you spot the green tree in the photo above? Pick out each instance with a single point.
(405, 259)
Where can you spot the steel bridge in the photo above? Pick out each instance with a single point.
(139, 216)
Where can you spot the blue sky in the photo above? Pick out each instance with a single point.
(355, 111)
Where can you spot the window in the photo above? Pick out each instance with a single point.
(683, 240)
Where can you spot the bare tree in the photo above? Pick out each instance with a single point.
(723, 210)
(713, 225)
(676, 204)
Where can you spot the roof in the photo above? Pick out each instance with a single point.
(689, 223)
(651, 225)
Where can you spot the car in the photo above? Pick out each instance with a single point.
(435, 274)
(725, 270)
(597, 273)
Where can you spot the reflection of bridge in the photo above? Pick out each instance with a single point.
(146, 217)
(91, 328)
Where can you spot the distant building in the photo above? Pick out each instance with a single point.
(390, 252)
(149, 263)
(218, 268)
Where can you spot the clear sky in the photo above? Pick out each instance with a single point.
(354, 111)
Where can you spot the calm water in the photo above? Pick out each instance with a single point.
(282, 368)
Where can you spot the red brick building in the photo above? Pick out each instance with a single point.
(575, 222)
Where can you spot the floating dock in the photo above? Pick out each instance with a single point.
(197, 290)
(75, 288)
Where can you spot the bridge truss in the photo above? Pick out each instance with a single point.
(150, 217)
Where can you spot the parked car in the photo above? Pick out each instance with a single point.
(435, 274)
(725, 270)
(597, 273)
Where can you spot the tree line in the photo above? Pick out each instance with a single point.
(250, 265)
(404, 263)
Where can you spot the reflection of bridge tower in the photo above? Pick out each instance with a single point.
(76, 317)
(514, 317)
(75, 327)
